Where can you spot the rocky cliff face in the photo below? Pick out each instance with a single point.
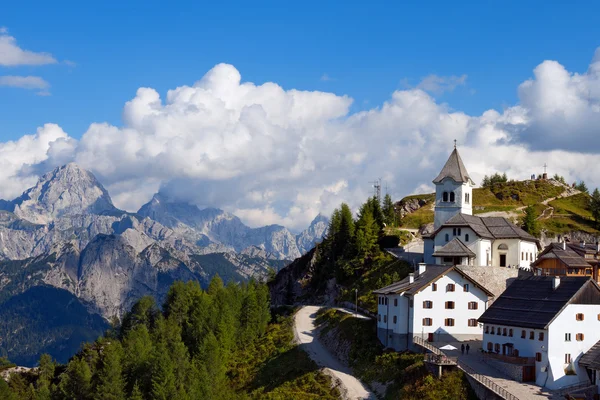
(67, 190)
(307, 239)
(65, 232)
(219, 229)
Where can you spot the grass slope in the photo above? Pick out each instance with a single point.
(569, 214)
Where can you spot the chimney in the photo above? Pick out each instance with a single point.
(422, 268)
(556, 282)
(411, 278)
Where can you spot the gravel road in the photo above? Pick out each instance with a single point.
(307, 338)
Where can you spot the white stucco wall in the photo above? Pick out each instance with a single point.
(554, 347)
(513, 254)
(527, 254)
(409, 319)
(446, 210)
(526, 346)
(484, 247)
(566, 323)
(439, 313)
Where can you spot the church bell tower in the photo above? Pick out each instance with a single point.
(453, 190)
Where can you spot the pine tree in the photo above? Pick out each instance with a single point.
(138, 350)
(530, 221)
(76, 381)
(110, 379)
(136, 393)
(163, 378)
(144, 312)
(595, 206)
(215, 285)
(344, 237)
(389, 213)
(582, 187)
(6, 392)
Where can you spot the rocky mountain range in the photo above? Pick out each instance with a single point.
(66, 233)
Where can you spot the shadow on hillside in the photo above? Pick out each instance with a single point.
(286, 367)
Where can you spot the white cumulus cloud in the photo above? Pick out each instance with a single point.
(24, 82)
(273, 155)
(12, 55)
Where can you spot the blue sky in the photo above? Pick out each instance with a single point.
(421, 74)
(367, 49)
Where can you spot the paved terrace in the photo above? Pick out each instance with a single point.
(522, 391)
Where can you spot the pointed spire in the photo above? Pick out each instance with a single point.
(454, 169)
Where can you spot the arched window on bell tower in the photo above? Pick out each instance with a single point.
(445, 196)
(452, 197)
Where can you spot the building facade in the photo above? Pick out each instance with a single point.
(459, 238)
(551, 320)
(437, 303)
(568, 259)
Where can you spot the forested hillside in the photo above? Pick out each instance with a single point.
(222, 343)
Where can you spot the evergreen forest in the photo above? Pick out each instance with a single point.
(219, 343)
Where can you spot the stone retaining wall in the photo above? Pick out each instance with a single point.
(514, 371)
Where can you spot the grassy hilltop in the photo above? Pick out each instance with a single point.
(556, 214)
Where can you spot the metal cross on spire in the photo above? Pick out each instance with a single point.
(454, 143)
(545, 166)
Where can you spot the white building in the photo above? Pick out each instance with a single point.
(553, 320)
(438, 303)
(591, 362)
(461, 238)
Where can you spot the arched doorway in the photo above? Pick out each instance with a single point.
(502, 252)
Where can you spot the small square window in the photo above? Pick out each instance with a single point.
(531, 335)
(579, 317)
(523, 334)
(466, 287)
(449, 322)
(579, 337)
(450, 287)
(449, 305)
(541, 336)
(434, 289)
(472, 322)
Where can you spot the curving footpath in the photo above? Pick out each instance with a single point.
(306, 335)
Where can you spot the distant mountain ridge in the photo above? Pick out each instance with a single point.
(66, 233)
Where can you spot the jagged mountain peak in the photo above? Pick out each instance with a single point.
(66, 190)
(313, 234)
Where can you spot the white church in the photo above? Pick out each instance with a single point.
(460, 238)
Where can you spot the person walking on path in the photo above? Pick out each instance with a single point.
(467, 348)
(462, 348)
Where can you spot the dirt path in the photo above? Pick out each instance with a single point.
(547, 213)
(306, 336)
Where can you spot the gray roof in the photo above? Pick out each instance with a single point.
(454, 248)
(569, 257)
(533, 303)
(454, 169)
(431, 274)
(591, 358)
(489, 227)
